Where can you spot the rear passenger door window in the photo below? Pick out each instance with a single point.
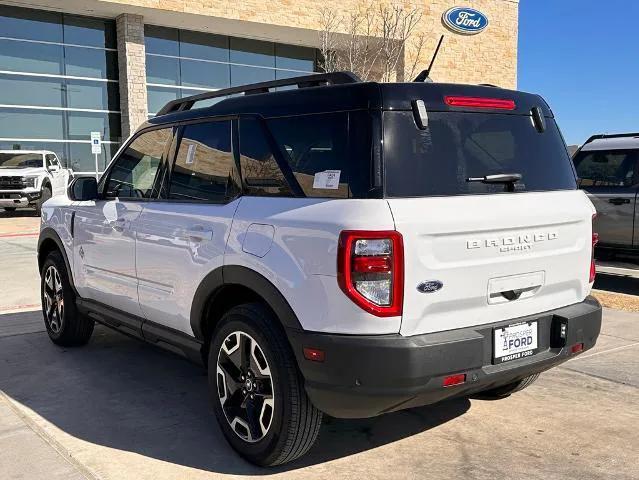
(316, 148)
(204, 169)
(261, 173)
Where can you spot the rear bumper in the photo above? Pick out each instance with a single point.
(364, 376)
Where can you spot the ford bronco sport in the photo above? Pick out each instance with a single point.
(28, 178)
(343, 247)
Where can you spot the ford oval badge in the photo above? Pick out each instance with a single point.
(430, 286)
(464, 20)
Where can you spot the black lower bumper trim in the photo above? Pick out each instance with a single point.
(364, 376)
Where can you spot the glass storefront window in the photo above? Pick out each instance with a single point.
(81, 159)
(205, 46)
(31, 123)
(157, 97)
(47, 51)
(17, 56)
(91, 63)
(19, 90)
(92, 32)
(245, 75)
(82, 123)
(92, 95)
(181, 58)
(164, 70)
(293, 57)
(161, 41)
(204, 74)
(30, 24)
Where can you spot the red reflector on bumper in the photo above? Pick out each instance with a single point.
(313, 354)
(577, 348)
(453, 380)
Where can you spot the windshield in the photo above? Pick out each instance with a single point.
(456, 147)
(20, 160)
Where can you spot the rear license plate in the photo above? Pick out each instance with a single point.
(515, 341)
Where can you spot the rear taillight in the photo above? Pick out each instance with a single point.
(595, 239)
(370, 270)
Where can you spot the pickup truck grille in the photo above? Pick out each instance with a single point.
(11, 183)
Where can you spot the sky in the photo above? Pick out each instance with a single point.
(582, 56)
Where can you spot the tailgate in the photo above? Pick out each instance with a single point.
(497, 256)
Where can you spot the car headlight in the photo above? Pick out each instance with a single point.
(30, 182)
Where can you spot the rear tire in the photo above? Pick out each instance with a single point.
(506, 390)
(44, 196)
(275, 422)
(64, 324)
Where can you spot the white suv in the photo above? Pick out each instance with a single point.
(342, 247)
(30, 178)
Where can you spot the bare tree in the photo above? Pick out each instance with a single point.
(371, 41)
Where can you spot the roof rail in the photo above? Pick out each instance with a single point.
(315, 80)
(600, 136)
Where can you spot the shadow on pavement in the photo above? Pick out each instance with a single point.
(18, 213)
(123, 394)
(617, 283)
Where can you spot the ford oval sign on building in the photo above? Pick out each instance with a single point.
(467, 21)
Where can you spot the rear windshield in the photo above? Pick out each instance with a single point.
(457, 146)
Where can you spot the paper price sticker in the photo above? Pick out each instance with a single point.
(328, 179)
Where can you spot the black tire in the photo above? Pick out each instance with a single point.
(64, 324)
(294, 420)
(9, 209)
(45, 195)
(506, 390)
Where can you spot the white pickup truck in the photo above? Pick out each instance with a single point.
(28, 178)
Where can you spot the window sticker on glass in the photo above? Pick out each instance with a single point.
(190, 154)
(328, 179)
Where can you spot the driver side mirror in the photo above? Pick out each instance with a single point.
(54, 168)
(83, 189)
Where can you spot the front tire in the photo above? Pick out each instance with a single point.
(64, 324)
(257, 390)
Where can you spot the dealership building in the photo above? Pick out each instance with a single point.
(72, 67)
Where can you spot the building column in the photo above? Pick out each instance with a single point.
(132, 71)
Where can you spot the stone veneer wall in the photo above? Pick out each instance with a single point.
(132, 70)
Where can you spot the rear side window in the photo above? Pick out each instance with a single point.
(607, 168)
(204, 168)
(321, 155)
(134, 172)
(457, 146)
(316, 150)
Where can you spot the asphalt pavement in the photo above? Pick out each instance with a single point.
(120, 409)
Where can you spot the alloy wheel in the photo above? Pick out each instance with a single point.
(53, 299)
(245, 386)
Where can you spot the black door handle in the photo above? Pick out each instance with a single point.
(619, 201)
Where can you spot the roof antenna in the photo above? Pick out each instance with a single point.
(424, 75)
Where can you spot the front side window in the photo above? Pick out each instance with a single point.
(204, 168)
(607, 168)
(135, 170)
